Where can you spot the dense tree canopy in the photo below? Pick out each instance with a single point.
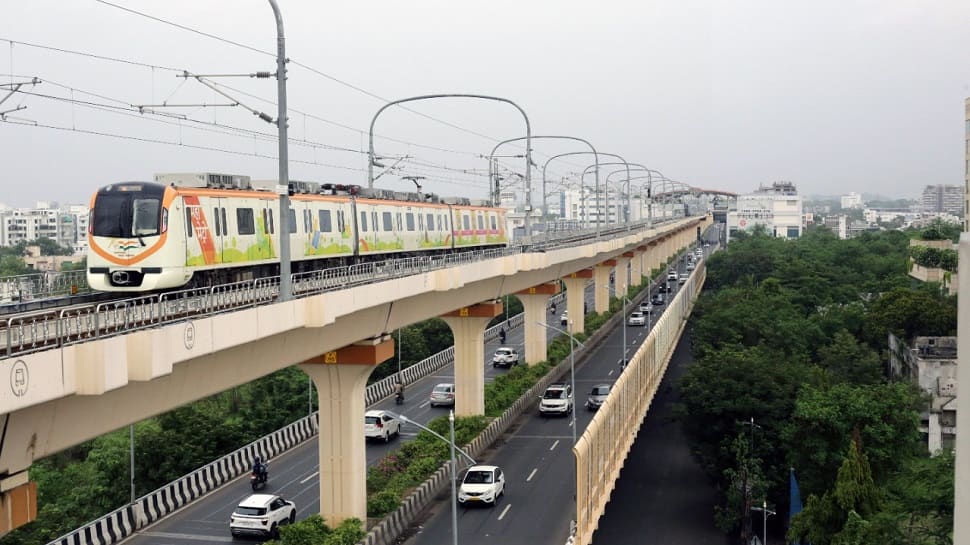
(793, 335)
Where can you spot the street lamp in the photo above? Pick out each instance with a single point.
(765, 513)
(454, 466)
(572, 366)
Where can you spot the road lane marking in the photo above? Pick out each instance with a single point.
(207, 539)
(554, 444)
(506, 510)
(423, 405)
(529, 478)
(610, 373)
(312, 475)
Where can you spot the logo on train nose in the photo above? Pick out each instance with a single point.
(124, 245)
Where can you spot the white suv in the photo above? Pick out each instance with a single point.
(505, 357)
(381, 425)
(482, 484)
(261, 515)
(557, 399)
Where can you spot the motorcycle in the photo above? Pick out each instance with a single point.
(399, 398)
(258, 480)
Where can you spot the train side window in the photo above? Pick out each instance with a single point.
(292, 217)
(340, 221)
(363, 222)
(410, 221)
(430, 222)
(466, 222)
(215, 212)
(265, 223)
(244, 221)
(272, 226)
(373, 221)
(307, 228)
(420, 222)
(481, 222)
(189, 230)
(225, 224)
(388, 221)
(494, 223)
(326, 225)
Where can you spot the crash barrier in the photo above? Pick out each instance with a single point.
(123, 522)
(602, 449)
(393, 525)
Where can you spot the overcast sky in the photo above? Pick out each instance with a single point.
(835, 96)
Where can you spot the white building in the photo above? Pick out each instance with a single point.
(777, 207)
(852, 200)
(931, 364)
(587, 208)
(66, 226)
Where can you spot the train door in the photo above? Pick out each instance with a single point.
(220, 235)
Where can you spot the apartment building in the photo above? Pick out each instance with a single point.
(777, 207)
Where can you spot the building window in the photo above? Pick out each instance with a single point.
(793, 232)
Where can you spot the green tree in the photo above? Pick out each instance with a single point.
(847, 360)
(733, 385)
(49, 246)
(907, 312)
(11, 265)
(839, 516)
(823, 420)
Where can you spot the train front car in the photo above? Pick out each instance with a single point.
(130, 246)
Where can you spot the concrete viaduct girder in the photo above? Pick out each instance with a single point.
(84, 390)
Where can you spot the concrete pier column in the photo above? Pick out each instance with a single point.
(534, 301)
(601, 286)
(636, 265)
(576, 300)
(623, 273)
(341, 378)
(18, 501)
(468, 327)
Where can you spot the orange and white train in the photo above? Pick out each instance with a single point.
(190, 230)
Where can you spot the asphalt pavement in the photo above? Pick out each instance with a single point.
(294, 475)
(662, 496)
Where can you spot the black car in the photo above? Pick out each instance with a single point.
(657, 300)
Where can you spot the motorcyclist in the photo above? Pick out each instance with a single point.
(399, 392)
(501, 335)
(259, 469)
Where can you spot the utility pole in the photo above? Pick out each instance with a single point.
(283, 186)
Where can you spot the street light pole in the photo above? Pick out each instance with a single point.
(765, 513)
(572, 366)
(454, 472)
(131, 461)
(528, 141)
(283, 187)
(454, 466)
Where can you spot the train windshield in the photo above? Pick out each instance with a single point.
(127, 215)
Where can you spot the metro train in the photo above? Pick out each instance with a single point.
(203, 229)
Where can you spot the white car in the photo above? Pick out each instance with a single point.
(443, 394)
(261, 515)
(505, 357)
(672, 276)
(637, 318)
(690, 265)
(381, 425)
(557, 399)
(645, 307)
(683, 277)
(482, 484)
(564, 318)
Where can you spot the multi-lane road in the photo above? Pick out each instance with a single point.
(539, 467)
(535, 456)
(294, 474)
